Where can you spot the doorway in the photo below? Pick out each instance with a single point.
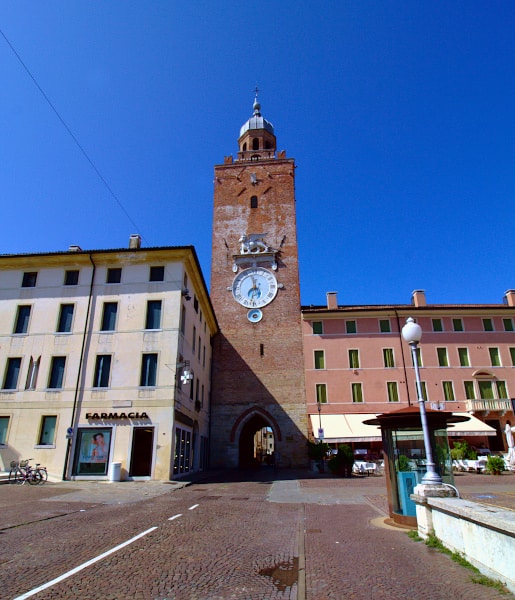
(142, 451)
(253, 451)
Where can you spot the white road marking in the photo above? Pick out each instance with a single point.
(193, 507)
(83, 566)
(175, 517)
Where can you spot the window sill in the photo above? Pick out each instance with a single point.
(43, 446)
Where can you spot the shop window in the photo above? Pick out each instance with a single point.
(92, 451)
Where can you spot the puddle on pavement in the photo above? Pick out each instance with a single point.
(284, 574)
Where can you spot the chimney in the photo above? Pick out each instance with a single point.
(135, 241)
(509, 297)
(418, 298)
(332, 300)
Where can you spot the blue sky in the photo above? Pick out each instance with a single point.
(400, 115)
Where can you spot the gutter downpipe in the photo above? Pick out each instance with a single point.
(402, 354)
(79, 373)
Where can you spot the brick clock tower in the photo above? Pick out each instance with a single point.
(258, 375)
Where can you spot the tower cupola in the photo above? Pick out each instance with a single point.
(257, 139)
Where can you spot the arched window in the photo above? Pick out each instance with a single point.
(268, 145)
(255, 144)
(244, 147)
(254, 202)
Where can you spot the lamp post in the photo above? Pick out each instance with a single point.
(412, 333)
(320, 439)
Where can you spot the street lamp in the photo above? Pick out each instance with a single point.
(412, 333)
(320, 430)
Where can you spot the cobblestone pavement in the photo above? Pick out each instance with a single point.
(267, 536)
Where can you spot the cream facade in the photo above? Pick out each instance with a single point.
(105, 358)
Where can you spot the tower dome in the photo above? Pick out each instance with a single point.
(257, 138)
(257, 121)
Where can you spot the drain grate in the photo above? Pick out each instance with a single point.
(210, 497)
(239, 498)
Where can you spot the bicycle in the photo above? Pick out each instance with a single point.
(21, 472)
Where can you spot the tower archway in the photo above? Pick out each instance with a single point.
(257, 434)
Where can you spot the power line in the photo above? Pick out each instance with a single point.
(70, 132)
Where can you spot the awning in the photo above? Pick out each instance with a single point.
(346, 428)
(350, 428)
(473, 426)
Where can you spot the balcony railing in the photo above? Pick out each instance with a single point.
(502, 404)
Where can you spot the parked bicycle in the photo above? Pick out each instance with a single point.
(22, 472)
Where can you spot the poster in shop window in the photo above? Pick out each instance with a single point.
(93, 451)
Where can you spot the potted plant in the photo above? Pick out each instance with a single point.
(317, 452)
(495, 464)
(342, 462)
(403, 463)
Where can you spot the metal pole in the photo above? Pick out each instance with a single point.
(431, 475)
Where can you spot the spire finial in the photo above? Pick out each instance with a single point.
(256, 106)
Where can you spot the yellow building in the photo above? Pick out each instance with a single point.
(105, 360)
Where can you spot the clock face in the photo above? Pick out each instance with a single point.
(253, 288)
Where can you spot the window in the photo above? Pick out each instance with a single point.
(486, 391)
(437, 324)
(153, 320)
(65, 318)
(495, 359)
(12, 372)
(32, 375)
(443, 360)
(195, 305)
(354, 359)
(183, 320)
(463, 355)
(488, 325)
(388, 358)
(393, 392)
(350, 327)
(109, 316)
(114, 275)
(321, 392)
(457, 324)
(357, 392)
(318, 327)
(419, 357)
(4, 428)
(102, 371)
(148, 370)
(502, 391)
(470, 393)
(22, 319)
(71, 277)
(253, 202)
(319, 359)
(423, 389)
(157, 273)
(29, 279)
(507, 324)
(47, 433)
(448, 390)
(384, 326)
(512, 354)
(56, 379)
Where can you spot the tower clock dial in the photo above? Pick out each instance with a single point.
(254, 288)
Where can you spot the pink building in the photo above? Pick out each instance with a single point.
(357, 365)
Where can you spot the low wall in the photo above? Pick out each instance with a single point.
(484, 535)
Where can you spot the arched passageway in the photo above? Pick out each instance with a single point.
(256, 443)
